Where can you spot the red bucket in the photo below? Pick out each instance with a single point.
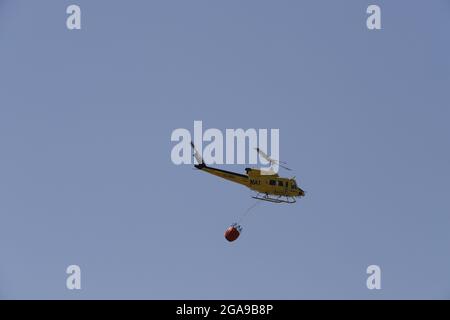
(233, 232)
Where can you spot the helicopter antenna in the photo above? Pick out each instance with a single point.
(272, 161)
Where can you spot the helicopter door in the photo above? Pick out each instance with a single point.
(281, 186)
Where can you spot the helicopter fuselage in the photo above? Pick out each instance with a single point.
(264, 182)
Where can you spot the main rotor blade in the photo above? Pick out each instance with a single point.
(289, 169)
(272, 161)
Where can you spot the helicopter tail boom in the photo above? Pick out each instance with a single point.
(227, 175)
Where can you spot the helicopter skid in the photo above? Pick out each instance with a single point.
(275, 200)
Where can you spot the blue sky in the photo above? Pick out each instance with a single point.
(85, 170)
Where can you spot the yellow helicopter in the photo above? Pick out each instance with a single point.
(268, 185)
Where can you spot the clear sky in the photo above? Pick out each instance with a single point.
(86, 176)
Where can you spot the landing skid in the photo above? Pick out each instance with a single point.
(280, 199)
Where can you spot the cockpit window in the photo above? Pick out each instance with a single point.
(293, 185)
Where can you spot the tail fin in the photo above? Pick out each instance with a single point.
(198, 157)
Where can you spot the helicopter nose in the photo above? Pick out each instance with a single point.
(301, 193)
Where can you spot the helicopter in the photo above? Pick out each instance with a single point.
(267, 184)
